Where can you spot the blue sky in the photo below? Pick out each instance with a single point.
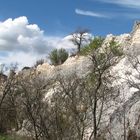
(58, 17)
(29, 29)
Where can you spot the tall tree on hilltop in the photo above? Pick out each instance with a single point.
(79, 37)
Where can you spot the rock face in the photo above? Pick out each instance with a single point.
(79, 65)
(125, 117)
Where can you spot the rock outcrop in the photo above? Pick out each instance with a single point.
(78, 64)
(125, 116)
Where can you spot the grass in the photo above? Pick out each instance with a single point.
(2, 137)
(12, 137)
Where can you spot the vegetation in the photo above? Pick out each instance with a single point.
(39, 62)
(79, 38)
(95, 43)
(115, 48)
(64, 115)
(5, 138)
(13, 137)
(64, 107)
(58, 56)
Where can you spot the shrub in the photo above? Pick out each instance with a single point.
(96, 43)
(39, 62)
(115, 48)
(132, 135)
(58, 56)
(13, 137)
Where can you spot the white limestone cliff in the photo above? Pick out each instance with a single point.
(129, 98)
(128, 109)
(78, 64)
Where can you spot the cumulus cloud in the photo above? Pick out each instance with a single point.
(18, 35)
(20, 58)
(90, 13)
(24, 43)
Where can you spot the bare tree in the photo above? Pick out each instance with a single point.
(7, 113)
(79, 37)
(73, 103)
(30, 90)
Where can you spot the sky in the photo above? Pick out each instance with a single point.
(30, 29)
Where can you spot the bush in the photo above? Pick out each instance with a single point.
(132, 135)
(13, 137)
(96, 43)
(115, 48)
(58, 56)
(39, 62)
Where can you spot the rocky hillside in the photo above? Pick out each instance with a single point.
(126, 113)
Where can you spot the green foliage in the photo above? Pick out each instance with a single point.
(13, 137)
(115, 48)
(54, 56)
(95, 44)
(39, 62)
(2, 137)
(58, 56)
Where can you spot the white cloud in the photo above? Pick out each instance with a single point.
(113, 14)
(90, 13)
(126, 3)
(19, 35)
(21, 58)
(24, 43)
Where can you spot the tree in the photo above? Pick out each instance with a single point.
(39, 62)
(79, 38)
(103, 58)
(96, 42)
(71, 102)
(67, 107)
(82, 102)
(7, 112)
(30, 93)
(58, 56)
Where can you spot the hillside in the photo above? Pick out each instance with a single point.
(96, 96)
(129, 95)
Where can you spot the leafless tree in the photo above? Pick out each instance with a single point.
(73, 102)
(79, 37)
(30, 90)
(7, 113)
